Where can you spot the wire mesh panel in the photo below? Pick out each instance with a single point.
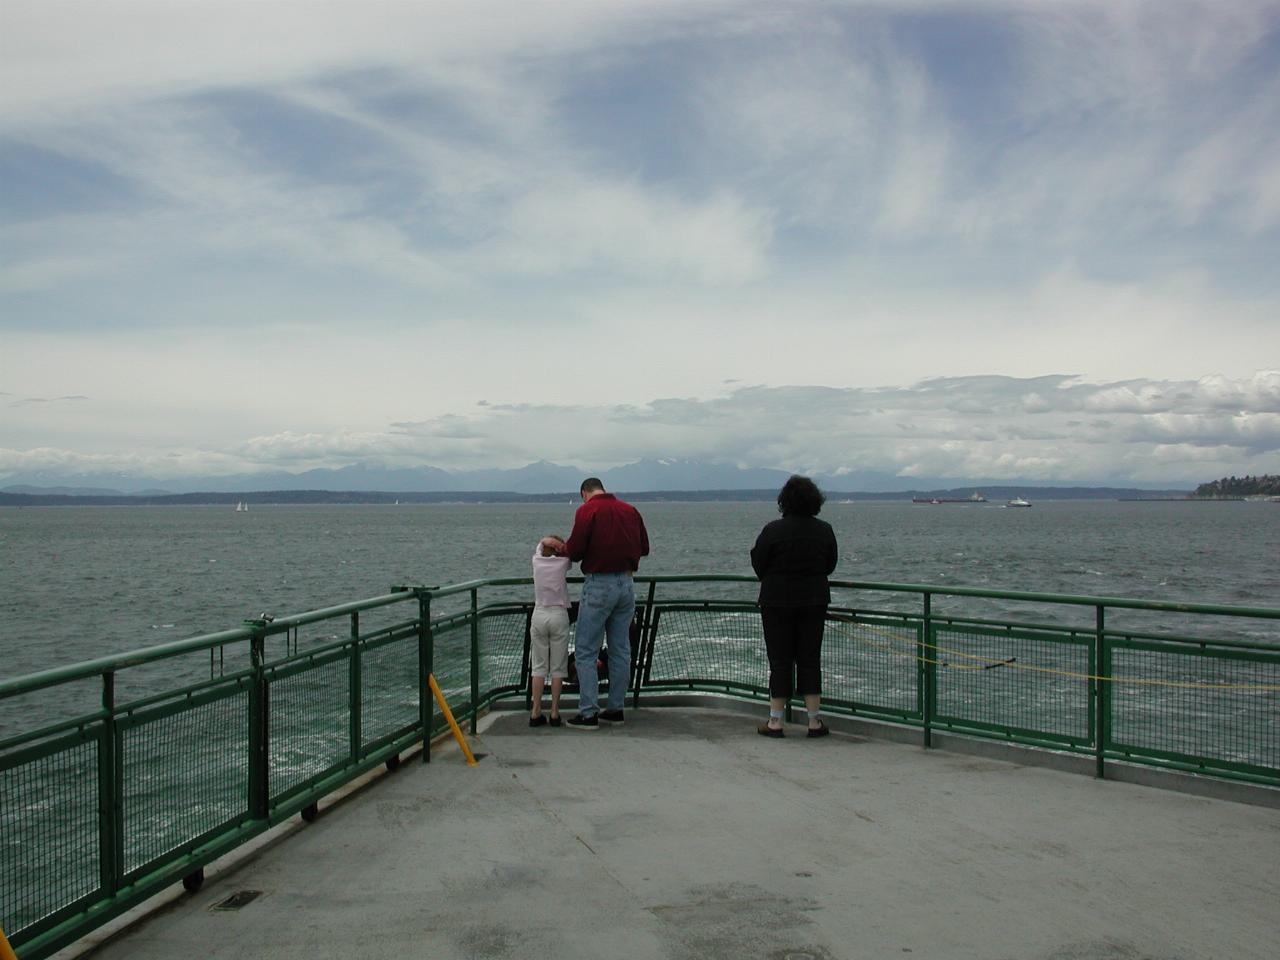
(451, 664)
(1211, 708)
(1013, 682)
(388, 688)
(49, 853)
(502, 649)
(870, 663)
(703, 646)
(185, 773)
(310, 721)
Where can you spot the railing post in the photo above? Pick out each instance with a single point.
(526, 662)
(426, 657)
(259, 723)
(356, 698)
(475, 659)
(928, 676)
(1101, 692)
(110, 800)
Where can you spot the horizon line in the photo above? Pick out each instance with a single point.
(303, 495)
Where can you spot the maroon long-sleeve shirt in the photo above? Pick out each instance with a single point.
(608, 536)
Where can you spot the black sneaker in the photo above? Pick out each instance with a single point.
(539, 721)
(612, 716)
(580, 722)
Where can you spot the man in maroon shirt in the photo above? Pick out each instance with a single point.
(609, 538)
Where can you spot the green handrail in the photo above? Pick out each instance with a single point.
(119, 661)
(904, 667)
(1129, 603)
(176, 648)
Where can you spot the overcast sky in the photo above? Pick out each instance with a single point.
(1034, 240)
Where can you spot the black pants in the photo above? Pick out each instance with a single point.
(793, 640)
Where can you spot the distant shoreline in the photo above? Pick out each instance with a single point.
(994, 496)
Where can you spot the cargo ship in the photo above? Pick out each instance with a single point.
(974, 497)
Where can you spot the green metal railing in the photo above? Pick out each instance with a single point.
(103, 808)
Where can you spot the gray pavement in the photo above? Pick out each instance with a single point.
(685, 836)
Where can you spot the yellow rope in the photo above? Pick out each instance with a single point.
(986, 662)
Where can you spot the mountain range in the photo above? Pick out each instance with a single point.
(542, 477)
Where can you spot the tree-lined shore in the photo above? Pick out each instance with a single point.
(1266, 485)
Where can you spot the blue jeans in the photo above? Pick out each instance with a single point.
(608, 604)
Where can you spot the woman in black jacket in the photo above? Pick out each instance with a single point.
(793, 558)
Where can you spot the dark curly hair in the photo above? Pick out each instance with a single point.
(800, 497)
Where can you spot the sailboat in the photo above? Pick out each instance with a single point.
(242, 507)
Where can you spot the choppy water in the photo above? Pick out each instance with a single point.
(79, 583)
(82, 582)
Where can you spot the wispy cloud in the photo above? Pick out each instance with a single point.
(867, 133)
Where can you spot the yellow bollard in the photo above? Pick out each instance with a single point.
(6, 951)
(448, 715)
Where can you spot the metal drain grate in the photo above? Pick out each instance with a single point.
(240, 898)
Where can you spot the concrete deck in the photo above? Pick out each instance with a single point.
(685, 836)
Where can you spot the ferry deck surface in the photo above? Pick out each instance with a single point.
(683, 835)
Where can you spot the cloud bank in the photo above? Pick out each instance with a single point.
(1048, 429)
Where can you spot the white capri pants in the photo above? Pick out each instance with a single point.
(549, 642)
